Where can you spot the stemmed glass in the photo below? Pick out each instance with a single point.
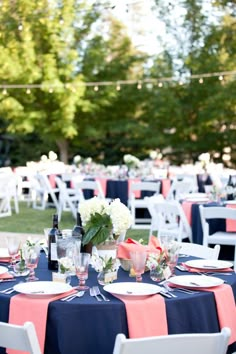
(13, 245)
(138, 259)
(81, 261)
(31, 256)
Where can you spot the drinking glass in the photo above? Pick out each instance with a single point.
(13, 245)
(31, 256)
(81, 261)
(138, 259)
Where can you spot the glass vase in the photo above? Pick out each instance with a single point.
(106, 277)
(156, 274)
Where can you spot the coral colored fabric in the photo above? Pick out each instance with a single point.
(134, 180)
(24, 308)
(6, 276)
(187, 208)
(226, 309)
(146, 317)
(166, 183)
(124, 248)
(103, 183)
(231, 224)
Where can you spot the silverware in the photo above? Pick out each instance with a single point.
(93, 293)
(68, 296)
(168, 290)
(98, 292)
(5, 280)
(7, 291)
(79, 294)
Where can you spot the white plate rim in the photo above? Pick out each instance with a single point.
(3, 270)
(113, 289)
(202, 199)
(176, 280)
(199, 264)
(61, 288)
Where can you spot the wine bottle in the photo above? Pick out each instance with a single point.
(78, 230)
(52, 244)
(230, 188)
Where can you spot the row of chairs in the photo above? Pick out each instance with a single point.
(24, 338)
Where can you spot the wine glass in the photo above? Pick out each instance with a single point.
(81, 261)
(138, 259)
(31, 255)
(13, 245)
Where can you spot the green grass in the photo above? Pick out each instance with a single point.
(31, 221)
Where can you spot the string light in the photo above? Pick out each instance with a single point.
(28, 91)
(118, 85)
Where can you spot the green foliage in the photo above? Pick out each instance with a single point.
(97, 229)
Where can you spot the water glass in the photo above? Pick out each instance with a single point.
(138, 259)
(31, 256)
(82, 261)
(13, 246)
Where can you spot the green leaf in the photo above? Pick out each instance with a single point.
(98, 229)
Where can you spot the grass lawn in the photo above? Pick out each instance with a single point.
(33, 221)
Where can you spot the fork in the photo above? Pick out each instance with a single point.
(7, 291)
(93, 293)
(69, 296)
(98, 292)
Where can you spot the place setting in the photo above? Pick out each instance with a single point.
(207, 267)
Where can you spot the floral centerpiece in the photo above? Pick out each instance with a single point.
(157, 263)
(131, 161)
(102, 220)
(106, 267)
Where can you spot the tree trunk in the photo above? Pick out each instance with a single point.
(63, 150)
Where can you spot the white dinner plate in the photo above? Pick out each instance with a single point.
(209, 264)
(129, 289)
(196, 195)
(4, 253)
(3, 270)
(195, 281)
(42, 288)
(233, 202)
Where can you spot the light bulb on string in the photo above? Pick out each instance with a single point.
(139, 86)
(28, 91)
(160, 84)
(20, 27)
(50, 90)
(201, 80)
(96, 88)
(221, 77)
(4, 92)
(181, 83)
(61, 21)
(118, 87)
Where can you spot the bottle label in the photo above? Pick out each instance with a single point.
(53, 251)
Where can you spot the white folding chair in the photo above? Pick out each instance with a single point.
(136, 204)
(219, 237)
(93, 186)
(43, 190)
(204, 343)
(23, 338)
(195, 250)
(169, 219)
(179, 188)
(68, 198)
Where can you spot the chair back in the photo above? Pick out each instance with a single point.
(179, 188)
(195, 250)
(94, 186)
(168, 218)
(23, 338)
(204, 343)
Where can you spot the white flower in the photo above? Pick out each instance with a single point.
(91, 206)
(104, 263)
(153, 154)
(65, 264)
(120, 217)
(131, 160)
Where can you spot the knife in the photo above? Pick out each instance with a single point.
(5, 280)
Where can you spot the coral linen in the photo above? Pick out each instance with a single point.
(24, 308)
(187, 208)
(165, 186)
(231, 224)
(124, 248)
(6, 276)
(146, 317)
(226, 309)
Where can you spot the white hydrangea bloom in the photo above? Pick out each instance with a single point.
(91, 206)
(120, 216)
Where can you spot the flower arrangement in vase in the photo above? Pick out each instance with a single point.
(103, 221)
(106, 267)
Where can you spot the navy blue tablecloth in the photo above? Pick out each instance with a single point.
(85, 326)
